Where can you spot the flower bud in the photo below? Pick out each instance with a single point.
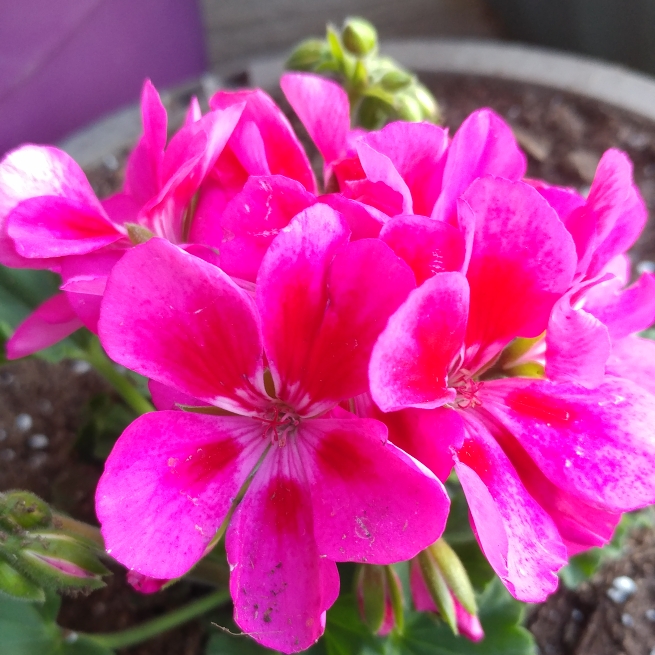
(439, 584)
(138, 234)
(396, 79)
(308, 55)
(408, 108)
(25, 508)
(16, 585)
(428, 104)
(380, 599)
(359, 36)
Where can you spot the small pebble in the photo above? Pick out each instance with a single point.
(3, 434)
(45, 406)
(577, 615)
(627, 620)
(7, 455)
(24, 422)
(514, 112)
(652, 651)
(646, 267)
(80, 367)
(650, 615)
(38, 460)
(38, 441)
(622, 588)
(6, 377)
(110, 162)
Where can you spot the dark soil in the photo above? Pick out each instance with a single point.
(564, 136)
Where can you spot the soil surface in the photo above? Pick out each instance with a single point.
(42, 405)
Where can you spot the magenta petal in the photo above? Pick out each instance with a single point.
(49, 226)
(143, 169)
(164, 397)
(595, 444)
(183, 334)
(323, 108)
(284, 152)
(168, 485)
(292, 295)
(522, 260)
(51, 322)
(428, 246)
(634, 358)
(412, 357)
(517, 536)
(577, 344)
(483, 145)
(254, 217)
(366, 283)
(364, 221)
(280, 585)
(358, 515)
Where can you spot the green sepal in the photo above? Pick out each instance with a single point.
(438, 589)
(395, 591)
(16, 585)
(371, 584)
(454, 574)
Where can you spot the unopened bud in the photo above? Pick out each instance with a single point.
(359, 36)
(25, 508)
(428, 104)
(308, 55)
(379, 595)
(16, 585)
(408, 108)
(395, 80)
(455, 574)
(373, 113)
(138, 234)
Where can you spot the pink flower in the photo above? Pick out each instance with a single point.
(326, 486)
(144, 584)
(546, 467)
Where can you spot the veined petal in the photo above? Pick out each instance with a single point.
(254, 217)
(522, 260)
(194, 330)
(48, 324)
(483, 145)
(280, 585)
(517, 536)
(358, 515)
(169, 483)
(428, 246)
(292, 295)
(597, 444)
(323, 108)
(412, 357)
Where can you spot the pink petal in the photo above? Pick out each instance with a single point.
(366, 284)
(143, 584)
(364, 222)
(143, 169)
(254, 217)
(428, 246)
(412, 357)
(164, 397)
(48, 324)
(417, 152)
(121, 208)
(522, 260)
(168, 485)
(594, 444)
(183, 334)
(634, 358)
(280, 585)
(284, 152)
(578, 344)
(483, 145)
(518, 538)
(378, 195)
(358, 515)
(194, 112)
(205, 226)
(292, 294)
(323, 108)
(49, 226)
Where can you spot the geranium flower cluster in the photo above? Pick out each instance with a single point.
(321, 362)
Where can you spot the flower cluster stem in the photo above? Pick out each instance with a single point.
(161, 624)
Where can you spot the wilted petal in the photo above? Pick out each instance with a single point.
(483, 145)
(522, 260)
(517, 536)
(184, 333)
(48, 324)
(597, 444)
(280, 585)
(359, 514)
(168, 485)
(412, 357)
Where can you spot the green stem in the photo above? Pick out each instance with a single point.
(152, 628)
(96, 356)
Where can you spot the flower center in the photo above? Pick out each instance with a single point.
(279, 422)
(467, 389)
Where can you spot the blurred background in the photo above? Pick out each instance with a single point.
(64, 64)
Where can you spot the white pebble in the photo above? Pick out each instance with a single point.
(3, 434)
(650, 615)
(80, 367)
(38, 441)
(622, 588)
(646, 266)
(627, 620)
(652, 651)
(24, 422)
(7, 455)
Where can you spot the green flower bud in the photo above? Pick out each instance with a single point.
(408, 108)
(428, 104)
(359, 36)
(25, 508)
(308, 55)
(373, 113)
(396, 79)
(16, 585)
(138, 234)
(436, 584)
(454, 574)
(380, 598)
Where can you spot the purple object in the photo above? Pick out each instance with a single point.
(65, 63)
